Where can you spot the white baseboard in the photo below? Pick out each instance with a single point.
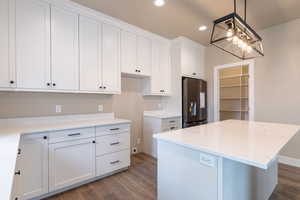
(289, 161)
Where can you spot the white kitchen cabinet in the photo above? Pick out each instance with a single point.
(144, 55)
(33, 44)
(129, 51)
(136, 54)
(90, 54)
(154, 125)
(71, 162)
(160, 81)
(7, 78)
(190, 56)
(33, 166)
(64, 49)
(111, 68)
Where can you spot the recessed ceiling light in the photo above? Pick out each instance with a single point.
(159, 3)
(202, 28)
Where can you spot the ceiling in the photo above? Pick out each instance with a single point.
(183, 17)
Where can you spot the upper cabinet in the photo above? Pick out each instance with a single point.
(64, 49)
(99, 56)
(136, 54)
(160, 81)
(33, 44)
(90, 54)
(7, 78)
(54, 46)
(111, 69)
(190, 57)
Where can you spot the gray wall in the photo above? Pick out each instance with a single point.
(277, 78)
(129, 105)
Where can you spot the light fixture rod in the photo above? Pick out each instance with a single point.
(234, 6)
(245, 11)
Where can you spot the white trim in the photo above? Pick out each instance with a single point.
(289, 161)
(216, 106)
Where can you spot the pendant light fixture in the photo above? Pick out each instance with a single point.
(232, 34)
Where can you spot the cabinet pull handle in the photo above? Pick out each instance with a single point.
(114, 143)
(114, 162)
(172, 121)
(194, 73)
(114, 129)
(74, 134)
(161, 90)
(172, 128)
(18, 172)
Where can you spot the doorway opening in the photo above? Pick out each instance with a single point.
(234, 91)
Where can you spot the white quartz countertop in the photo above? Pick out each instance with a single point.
(12, 129)
(253, 143)
(161, 114)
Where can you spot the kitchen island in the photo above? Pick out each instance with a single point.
(229, 160)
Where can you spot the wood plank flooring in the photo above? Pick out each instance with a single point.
(139, 183)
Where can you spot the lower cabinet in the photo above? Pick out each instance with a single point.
(52, 161)
(71, 162)
(32, 167)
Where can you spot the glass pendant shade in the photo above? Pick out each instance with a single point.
(233, 35)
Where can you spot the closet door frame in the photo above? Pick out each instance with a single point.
(216, 88)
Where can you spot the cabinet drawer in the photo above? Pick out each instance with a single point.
(112, 143)
(171, 122)
(113, 129)
(71, 134)
(111, 162)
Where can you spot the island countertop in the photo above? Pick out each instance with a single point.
(249, 142)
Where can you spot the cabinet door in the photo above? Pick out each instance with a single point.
(156, 71)
(192, 60)
(90, 54)
(128, 52)
(71, 162)
(64, 40)
(32, 44)
(165, 67)
(33, 166)
(111, 58)
(4, 44)
(144, 57)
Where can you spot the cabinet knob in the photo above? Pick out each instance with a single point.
(100, 87)
(18, 172)
(194, 73)
(94, 141)
(48, 84)
(104, 87)
(11, 82)
(162, 90)
(45, 137)
(53, 84)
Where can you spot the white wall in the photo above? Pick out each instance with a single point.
(277, 78)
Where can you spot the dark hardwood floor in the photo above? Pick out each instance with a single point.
(139, 183)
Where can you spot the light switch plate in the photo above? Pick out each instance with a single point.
(58, 108)
(100, 108)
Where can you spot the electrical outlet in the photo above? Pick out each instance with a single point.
(100, 108)
(58, 108)
(138, 141)
(134, 150)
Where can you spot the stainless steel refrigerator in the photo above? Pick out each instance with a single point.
(194, 102)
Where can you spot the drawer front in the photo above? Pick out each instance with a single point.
(71, 134)
(113, 129)
(112, 143)
(171, 123)
(111, 162)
